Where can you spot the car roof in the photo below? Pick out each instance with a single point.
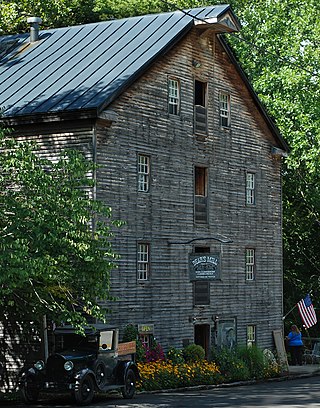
(88, 330)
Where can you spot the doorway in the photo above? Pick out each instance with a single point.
(202, 337)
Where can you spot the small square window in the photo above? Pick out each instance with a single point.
(143, 264)
(143, 173)
(224, 109)
(250, 264)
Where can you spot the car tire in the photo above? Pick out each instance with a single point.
(129, 388)
(100, 373)
(84, 391)
(30, 393)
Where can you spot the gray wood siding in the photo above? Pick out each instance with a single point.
(166, 213)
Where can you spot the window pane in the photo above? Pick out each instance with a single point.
(173, 96)
(224, 107)
(143, 261)
(251, 335)
(250, 264)
(250, 188)
(143, 173)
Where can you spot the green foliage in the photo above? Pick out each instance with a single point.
(175, 355)
(51, 261)
(254, 359)
(231, 366)
(131, 333)
(278, 48)
(193, 352)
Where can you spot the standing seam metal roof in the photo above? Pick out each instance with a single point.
(88, 66)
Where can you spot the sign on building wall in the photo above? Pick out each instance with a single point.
(204, 267)
(146, 328)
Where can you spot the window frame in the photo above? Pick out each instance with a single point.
(200, 192)
(174, 96)
(251, 188)
(251, 335)
(250, 262)
(200, 106)
(143, 177)
(143, 261)
(207, 283)
(225, 109)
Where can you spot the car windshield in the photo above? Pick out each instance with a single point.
(72, 341)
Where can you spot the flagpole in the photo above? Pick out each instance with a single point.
(289, 312)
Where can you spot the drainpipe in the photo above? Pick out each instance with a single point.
(34, 28)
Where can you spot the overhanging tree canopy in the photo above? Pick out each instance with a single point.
(51, 260)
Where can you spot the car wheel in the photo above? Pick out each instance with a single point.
(84, 391)
(129, 385)
(100, 373)
(30, 393)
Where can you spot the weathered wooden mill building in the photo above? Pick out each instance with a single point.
(188, 158)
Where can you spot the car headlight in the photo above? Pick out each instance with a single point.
(39, 365)
(68, 365)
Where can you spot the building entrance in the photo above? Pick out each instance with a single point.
(202, 336)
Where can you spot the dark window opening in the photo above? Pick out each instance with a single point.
(200, 195)
(200, 107)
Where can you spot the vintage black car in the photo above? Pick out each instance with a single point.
(83, 365)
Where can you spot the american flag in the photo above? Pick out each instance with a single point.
(307, 312)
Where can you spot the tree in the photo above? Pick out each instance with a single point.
(278, 49)
(52, 262)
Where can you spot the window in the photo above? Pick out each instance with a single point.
(200, 194)
(173, 96)
(143, 261)
(250, 264)
(201, 293)
(251, 335)
(224, 108)
(250, 188)
(143, 173)
(200, 107)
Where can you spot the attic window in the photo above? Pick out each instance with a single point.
(224, 109)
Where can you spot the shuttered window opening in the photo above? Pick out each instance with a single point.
(143, 264)
(143, 173)
(200, 194)
(224, 109)
(250, 264)
(200, 107)
(250, 188)
(173, 96)
(201, 293)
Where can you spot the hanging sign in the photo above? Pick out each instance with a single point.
(204, 267)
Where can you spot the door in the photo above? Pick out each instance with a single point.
(202, 336)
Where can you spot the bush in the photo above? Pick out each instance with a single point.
(130, 334)
(254, 360)
(193, 352)
(232, 367)
(158, 375)
(175, 356)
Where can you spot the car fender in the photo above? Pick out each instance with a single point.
(80, 375)
(123, 368)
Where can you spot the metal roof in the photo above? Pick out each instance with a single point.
(86, 67)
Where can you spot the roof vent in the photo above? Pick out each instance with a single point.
(34, 28)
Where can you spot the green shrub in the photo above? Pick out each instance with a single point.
(130, 334)
(232, 367)
(193, 352)
(175, 356)
(254, 360)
